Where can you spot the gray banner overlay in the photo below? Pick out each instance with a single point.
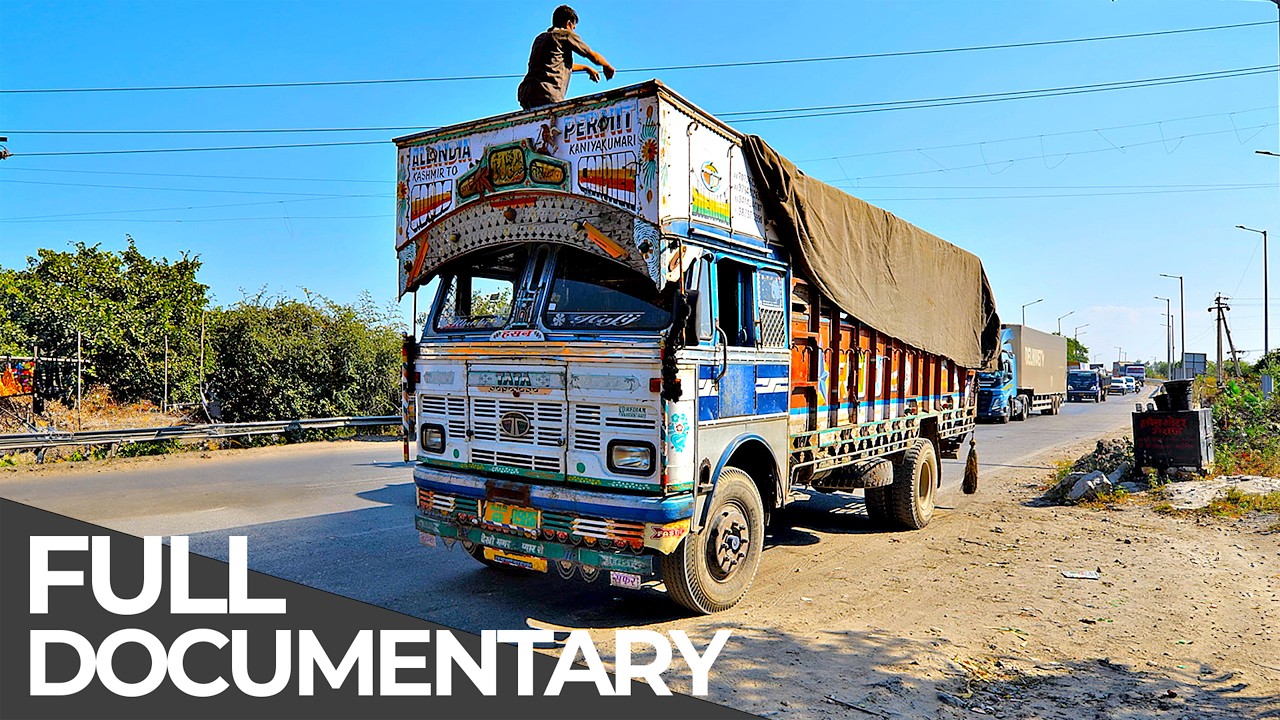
(335, 621)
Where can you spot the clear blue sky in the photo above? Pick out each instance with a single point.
(1123, 185)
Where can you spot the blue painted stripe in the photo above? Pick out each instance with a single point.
(772, 371)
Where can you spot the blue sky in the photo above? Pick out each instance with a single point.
(1080, 200)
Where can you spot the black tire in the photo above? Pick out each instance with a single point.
(1026, 409)
(1004, 419)
(879, 504)
(915, 486)
(1054, 407)
(712, 570)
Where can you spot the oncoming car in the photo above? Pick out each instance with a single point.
(1119, 385)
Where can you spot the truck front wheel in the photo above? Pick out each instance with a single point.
(711, 570)
(915, 486)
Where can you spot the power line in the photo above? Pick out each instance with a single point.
(205, 177)
(173, 189)
(1068, 195)
(989, 163)
(891, 106)
(888, 104)
(198, 149)
(1036, 137)
(865, 108)
(236, 131)
(10, 168)
(172, 209)
(210, 220)
(666, 68)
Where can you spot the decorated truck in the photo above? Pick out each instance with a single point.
(646, 333)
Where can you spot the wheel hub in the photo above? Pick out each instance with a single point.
(728, 542)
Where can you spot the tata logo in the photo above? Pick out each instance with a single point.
(515, 424)
(514, 379)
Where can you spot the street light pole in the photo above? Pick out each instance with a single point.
(1182, 312)
(1024, 310)
(1266, 297)
(1073, 312)
(1169, 335)
(1076, 332)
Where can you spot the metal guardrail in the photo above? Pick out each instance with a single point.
(40, 441)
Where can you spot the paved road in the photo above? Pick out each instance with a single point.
(339, 517)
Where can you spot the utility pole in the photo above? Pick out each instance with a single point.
(164, 402)
(1221, 307)
(79, 379)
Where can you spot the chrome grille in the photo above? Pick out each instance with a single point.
(586, 428)
(544, 463)
(453, 411)
(546, 421)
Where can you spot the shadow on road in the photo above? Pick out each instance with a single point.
(373, 555)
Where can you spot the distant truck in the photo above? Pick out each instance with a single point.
(1086, 385)
(1137, 371)
(1031, 376)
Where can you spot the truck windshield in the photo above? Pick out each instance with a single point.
(476, 295)
(1082, 380)
(592, 293)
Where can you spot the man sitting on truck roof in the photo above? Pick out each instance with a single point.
(551, 61)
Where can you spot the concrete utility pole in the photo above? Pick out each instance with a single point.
(1220, 306)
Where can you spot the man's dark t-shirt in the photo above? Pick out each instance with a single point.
(550, 64)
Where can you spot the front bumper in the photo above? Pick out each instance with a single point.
(580, 530)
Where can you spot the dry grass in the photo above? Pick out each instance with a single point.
(98, 411)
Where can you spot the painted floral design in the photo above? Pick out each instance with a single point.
(678, 431)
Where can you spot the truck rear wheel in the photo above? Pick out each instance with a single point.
(915, 486)
(711, 570)
(879, 504)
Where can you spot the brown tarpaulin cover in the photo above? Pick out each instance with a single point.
(877, 267)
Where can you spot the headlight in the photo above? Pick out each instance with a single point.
(631, 458)
(431, 438)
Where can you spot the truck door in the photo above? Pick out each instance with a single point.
(747, 307)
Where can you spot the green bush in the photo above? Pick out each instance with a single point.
(1246, 429)
(278, 358)
(123, 304)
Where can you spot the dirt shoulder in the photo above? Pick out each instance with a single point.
(973, 615)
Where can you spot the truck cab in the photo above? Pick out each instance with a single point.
(1085, 385)
(998, 398)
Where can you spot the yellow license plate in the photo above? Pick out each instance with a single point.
(526, 518)
(528, 562)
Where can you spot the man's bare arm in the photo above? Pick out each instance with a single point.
(598, 59)
(590, 71)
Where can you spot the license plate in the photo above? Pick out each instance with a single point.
(631, 581)
(526, 518)
(528, 562)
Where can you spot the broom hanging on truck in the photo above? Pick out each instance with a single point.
(646, 332)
